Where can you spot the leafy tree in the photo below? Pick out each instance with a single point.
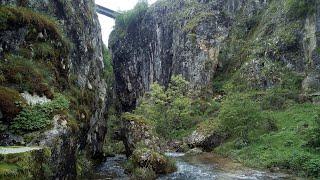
(170, 109)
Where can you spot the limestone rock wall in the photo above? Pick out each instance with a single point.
(173, 37)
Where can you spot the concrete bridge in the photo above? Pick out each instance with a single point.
(105, 11)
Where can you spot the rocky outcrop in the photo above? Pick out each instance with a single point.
(72, 52)
(202, 39)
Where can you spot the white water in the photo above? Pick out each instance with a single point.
(201, 167)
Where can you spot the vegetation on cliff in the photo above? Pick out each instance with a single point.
(264, 92)
(36, 59)
(128, 20)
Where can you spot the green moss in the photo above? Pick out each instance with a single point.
(44, 50)
(73, 124)
(9, 170)
(157, 162)
(84, 166)
(11, 17)
(196, 20)
(27, 74)
(318, 50)
(26, 165)
(135, 118)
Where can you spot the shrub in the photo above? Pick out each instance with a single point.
(314, 140)
(10, 103)
(170, 109)
(39, 116)
(108, 68)
(312, 167)
(31, 118)
(241, 116)
(300, 8)
(273, 101)
(130, 18)
(135, 118)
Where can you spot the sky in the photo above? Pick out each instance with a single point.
(117, 5)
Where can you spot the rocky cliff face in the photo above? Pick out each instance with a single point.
(78, 68)
(173, 37)
(227, 46)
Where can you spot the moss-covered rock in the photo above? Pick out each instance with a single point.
(24, 163)
(147, 158)
(137, 130)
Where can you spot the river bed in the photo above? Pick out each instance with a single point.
(203, 166)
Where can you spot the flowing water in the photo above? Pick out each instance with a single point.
(207, 166)
(112, 168)
(204, 166)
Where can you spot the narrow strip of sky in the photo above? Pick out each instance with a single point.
(117, 5)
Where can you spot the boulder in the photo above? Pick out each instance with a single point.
(206, 141)
(311, 84)
(136, 131)
(160, 164)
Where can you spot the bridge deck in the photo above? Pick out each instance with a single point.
(105, 11)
